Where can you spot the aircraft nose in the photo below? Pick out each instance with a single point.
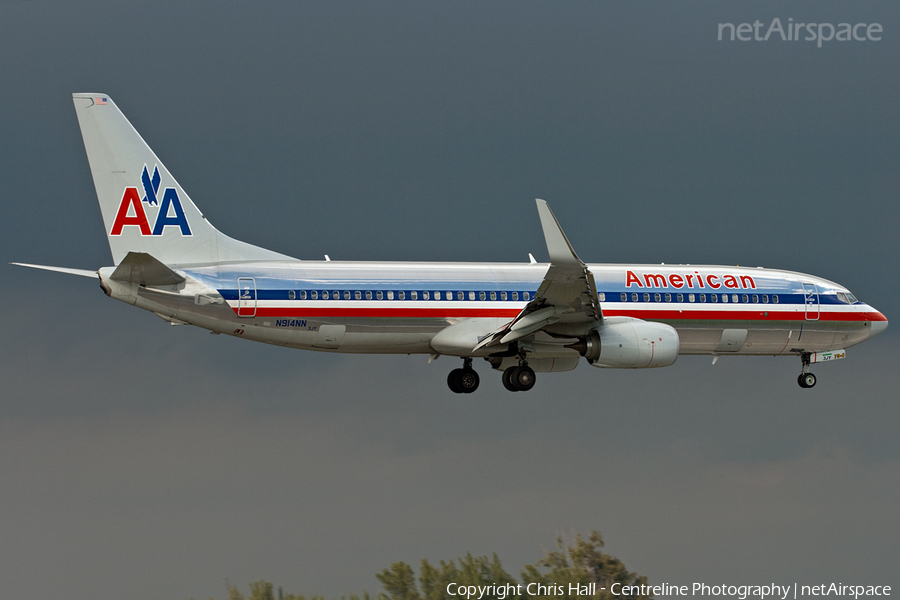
(878, 325)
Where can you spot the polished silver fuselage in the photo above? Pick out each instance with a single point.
(398, 307)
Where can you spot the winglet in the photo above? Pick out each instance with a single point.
(561, 251)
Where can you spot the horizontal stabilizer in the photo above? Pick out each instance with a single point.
(82, 272)
(143, 269)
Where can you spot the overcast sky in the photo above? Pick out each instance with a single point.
(142, 460)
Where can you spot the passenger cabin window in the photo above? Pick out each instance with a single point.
(414, 295)
(702, 297)
(481, 295)
(634, 297)
(724, 297)
(401, 295)
(357, 295)
(424, 295)
(390, 294)
(526, 296)
(503, 295)
(379, 295)
(657, 297)
(774, 298)
(713, 297)
(303, 294)
(681, 297)
(493, 295)
(765, 298)
(471, 295)
(755, 298)
(668, 297)
(690, 297)
(602, 297)
(734, 297)
(291, 295)
(623, 297)
(314, 295)
(368, 294)
(324, 294)
(745, 298)
(646, 297)
(460, 296)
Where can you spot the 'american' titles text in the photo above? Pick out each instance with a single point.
(689, 280)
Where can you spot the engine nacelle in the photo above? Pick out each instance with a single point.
(630, 344)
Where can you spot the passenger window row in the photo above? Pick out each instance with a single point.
(724, 298)
(405, 295)
(516, 296)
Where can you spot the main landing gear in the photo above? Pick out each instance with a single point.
(515, 379)
(806, 379)
(465, 380)
(519, 379)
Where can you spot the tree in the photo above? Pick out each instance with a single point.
(471, 571)
(581, 563)
(399, 582)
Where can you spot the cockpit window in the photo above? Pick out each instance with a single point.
(847, 298)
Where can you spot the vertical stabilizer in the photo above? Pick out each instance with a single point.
(144, 209)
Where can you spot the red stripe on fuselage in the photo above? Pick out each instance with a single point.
(742, 315)
(651, 315)
(435, 313)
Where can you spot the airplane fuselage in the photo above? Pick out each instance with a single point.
(384, 307)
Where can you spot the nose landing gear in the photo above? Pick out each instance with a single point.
(465, 380)
(806, 379)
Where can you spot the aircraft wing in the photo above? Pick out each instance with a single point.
(567, 295)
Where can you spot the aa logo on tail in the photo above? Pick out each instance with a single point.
(169, 211)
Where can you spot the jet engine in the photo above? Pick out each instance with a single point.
(629, 344)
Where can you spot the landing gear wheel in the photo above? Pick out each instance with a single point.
(454, 381)
(468, 381)
(806, 380)
(523, 378)
(507, 379)
(465, 380)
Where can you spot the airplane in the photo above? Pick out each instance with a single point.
(522, 318)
